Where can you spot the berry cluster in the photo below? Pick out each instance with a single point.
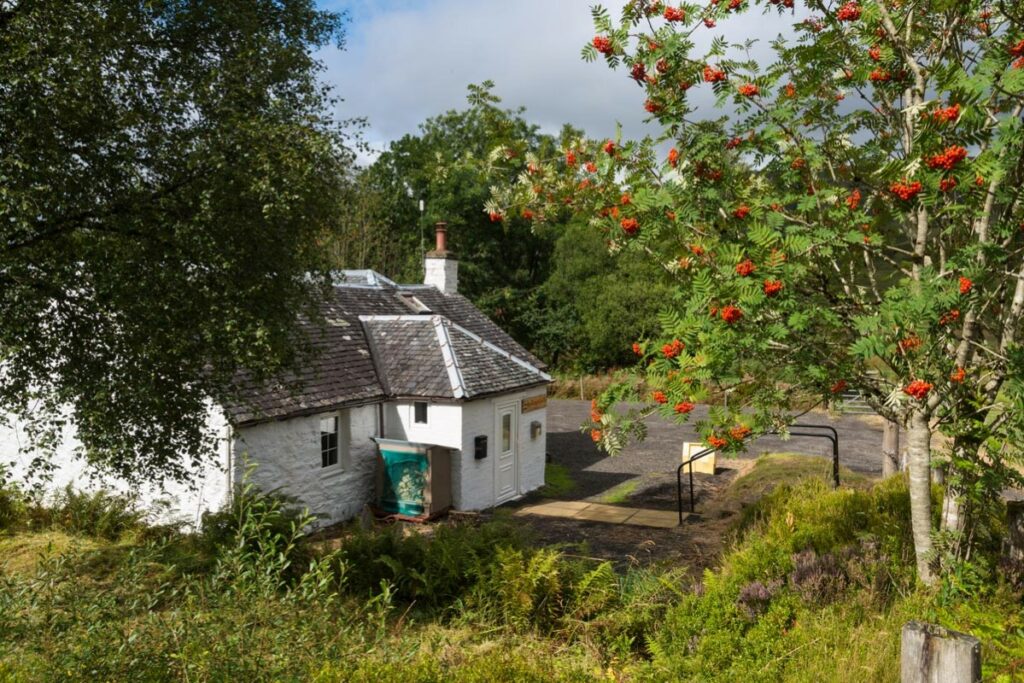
(652, 107)
(495, 217)
(838, 387)
(947, 114)
(630, 226)
(949, 158)
(853, 200)
(904, 190)
(947, 184)
(609, 147)
(683, 408)
(674, 14)
(659, 397)
(748, 90)
(741, 211)
(965, 285)
(637, 349)
(672, 349)
(879, 76)
(730, 314)
(739, 432)
(849, 12)
(717, 441)
(772, 287)
(570, 158)
(949, 317)
(918, 389)
(673, 157)
(713, 75)
(1017, 50)
(958, 375)
(638, 72)
(745, 268)
(603, 45)
(911, 343)
(875, 53)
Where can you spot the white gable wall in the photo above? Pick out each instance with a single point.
(473, 481)
(286, 456)
(173, 502)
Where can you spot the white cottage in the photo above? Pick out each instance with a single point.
(417, 364)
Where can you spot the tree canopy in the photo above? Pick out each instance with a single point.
(166, 169)
(847, 214)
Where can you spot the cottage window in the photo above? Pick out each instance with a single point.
(420, 412)
(328, 441)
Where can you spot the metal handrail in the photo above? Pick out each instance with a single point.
(833, 437)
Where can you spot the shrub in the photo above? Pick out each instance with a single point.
(101, 514)
(432, 571)
(12, 504)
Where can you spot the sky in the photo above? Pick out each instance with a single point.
(407, 60)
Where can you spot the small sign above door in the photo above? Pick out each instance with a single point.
(534, 403)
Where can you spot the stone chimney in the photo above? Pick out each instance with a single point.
(440, 267)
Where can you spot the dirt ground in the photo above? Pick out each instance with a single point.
(644, 476)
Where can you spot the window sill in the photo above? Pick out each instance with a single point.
(331, 471)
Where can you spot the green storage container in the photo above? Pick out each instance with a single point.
(413, 479)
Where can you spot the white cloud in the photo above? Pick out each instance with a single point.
(408, 61)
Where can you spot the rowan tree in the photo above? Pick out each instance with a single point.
(846, 215)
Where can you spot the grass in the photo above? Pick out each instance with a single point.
(557, 481)
(620, 493)
(815, 588)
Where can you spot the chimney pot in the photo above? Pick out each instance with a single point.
(441, 237)
(440, 268)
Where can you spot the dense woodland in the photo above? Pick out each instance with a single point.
(554, 287)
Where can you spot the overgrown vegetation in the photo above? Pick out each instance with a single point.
(816, 587)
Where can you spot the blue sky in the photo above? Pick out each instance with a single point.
(408, 60)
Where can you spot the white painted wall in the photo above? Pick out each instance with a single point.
(286, 456)
(473, 480)
(172, 502)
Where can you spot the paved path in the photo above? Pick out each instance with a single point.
(596, 512)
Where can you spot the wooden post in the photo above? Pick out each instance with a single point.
(1015, 530)
(890, 448)
(932, 654)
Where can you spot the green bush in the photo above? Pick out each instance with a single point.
(12, 505)
(432, 571)
(100, 514)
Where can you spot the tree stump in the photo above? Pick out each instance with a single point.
(932, 654)
(1015, 530)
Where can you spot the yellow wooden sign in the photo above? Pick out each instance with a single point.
(534, 403)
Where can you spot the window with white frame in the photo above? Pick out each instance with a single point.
(419, 409)
(329, 441)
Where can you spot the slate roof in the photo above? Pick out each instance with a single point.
(372, 346)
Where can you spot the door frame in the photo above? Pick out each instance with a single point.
(499, 408)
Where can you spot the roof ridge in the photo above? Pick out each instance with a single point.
(382, 377)
(451, 362)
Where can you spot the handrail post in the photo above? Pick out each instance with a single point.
(693, 502)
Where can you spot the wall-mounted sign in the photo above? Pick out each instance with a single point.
(534, 403)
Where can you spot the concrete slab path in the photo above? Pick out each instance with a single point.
(598, 512)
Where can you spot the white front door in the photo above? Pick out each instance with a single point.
(506, 465)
